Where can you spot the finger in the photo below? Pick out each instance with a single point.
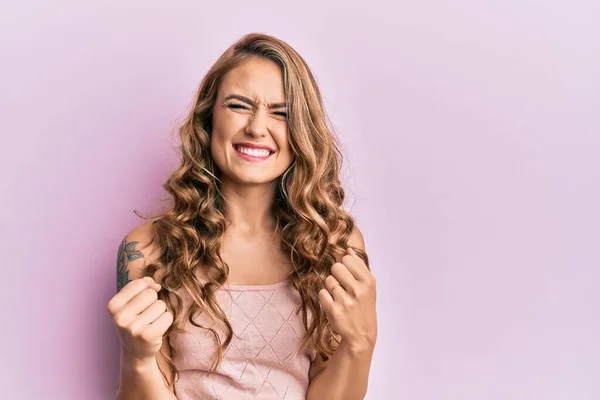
(141, 301)
(160, 325)
(336, 289)
(352, 252)
(356, 266)
(344, 276)
(152, 313)
(130, 311)
(129, 291)
(327, 300)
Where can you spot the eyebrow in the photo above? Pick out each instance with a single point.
(252, 102)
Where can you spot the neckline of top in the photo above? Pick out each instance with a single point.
(269, 286)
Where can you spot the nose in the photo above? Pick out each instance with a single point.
(257, 125)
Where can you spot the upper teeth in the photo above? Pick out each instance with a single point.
(253, 152)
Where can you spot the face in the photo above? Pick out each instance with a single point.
(250, 134)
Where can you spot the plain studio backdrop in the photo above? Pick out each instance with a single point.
(472, 139)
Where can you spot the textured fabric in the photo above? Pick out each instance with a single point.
(261, 363)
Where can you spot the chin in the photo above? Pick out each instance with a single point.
(254, 180)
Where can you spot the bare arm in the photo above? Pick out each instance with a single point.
(140, 378)
(345, 375)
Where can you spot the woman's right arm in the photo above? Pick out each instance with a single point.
(143, 380)
(141, 320)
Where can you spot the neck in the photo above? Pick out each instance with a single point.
(248, 207)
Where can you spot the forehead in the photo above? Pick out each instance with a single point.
(256, 78)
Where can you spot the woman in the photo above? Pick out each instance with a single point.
(255, 283)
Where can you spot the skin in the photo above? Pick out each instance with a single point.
(350, 308)
(249, 187)
(250, 240)
(126, 253)
(234, 120)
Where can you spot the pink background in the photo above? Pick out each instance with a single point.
(472, 135)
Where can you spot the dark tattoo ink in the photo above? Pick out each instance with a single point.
(126, 253)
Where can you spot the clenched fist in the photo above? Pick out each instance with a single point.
(140, 317)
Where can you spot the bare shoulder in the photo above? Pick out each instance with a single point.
(356, 240)
(136, 250)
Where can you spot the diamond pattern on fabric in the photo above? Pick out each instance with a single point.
(261, 362)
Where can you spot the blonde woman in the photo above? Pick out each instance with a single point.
(255, 283)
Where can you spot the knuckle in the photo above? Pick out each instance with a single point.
(111, 307)
(371, 282)
(349, 302)
(362, 292)
(150, 294)
(146, 336)
(138, 285)
(337, 267)
(169, 317)
(135, 330)
(139, 282)
(119, 320)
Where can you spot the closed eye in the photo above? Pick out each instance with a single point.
(239, 106)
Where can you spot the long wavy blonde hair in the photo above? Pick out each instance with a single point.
(307, 209)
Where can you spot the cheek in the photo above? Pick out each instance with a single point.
(289, 154)
(226, 124)
(283, 143)
(218, 146)
(217, 142)
(223, 131)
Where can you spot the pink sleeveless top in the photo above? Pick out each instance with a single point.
(261, 362)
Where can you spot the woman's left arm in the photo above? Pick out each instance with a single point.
(348, 300)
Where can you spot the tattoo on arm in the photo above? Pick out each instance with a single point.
(127, 252)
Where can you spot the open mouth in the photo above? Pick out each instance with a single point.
(250, 154)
